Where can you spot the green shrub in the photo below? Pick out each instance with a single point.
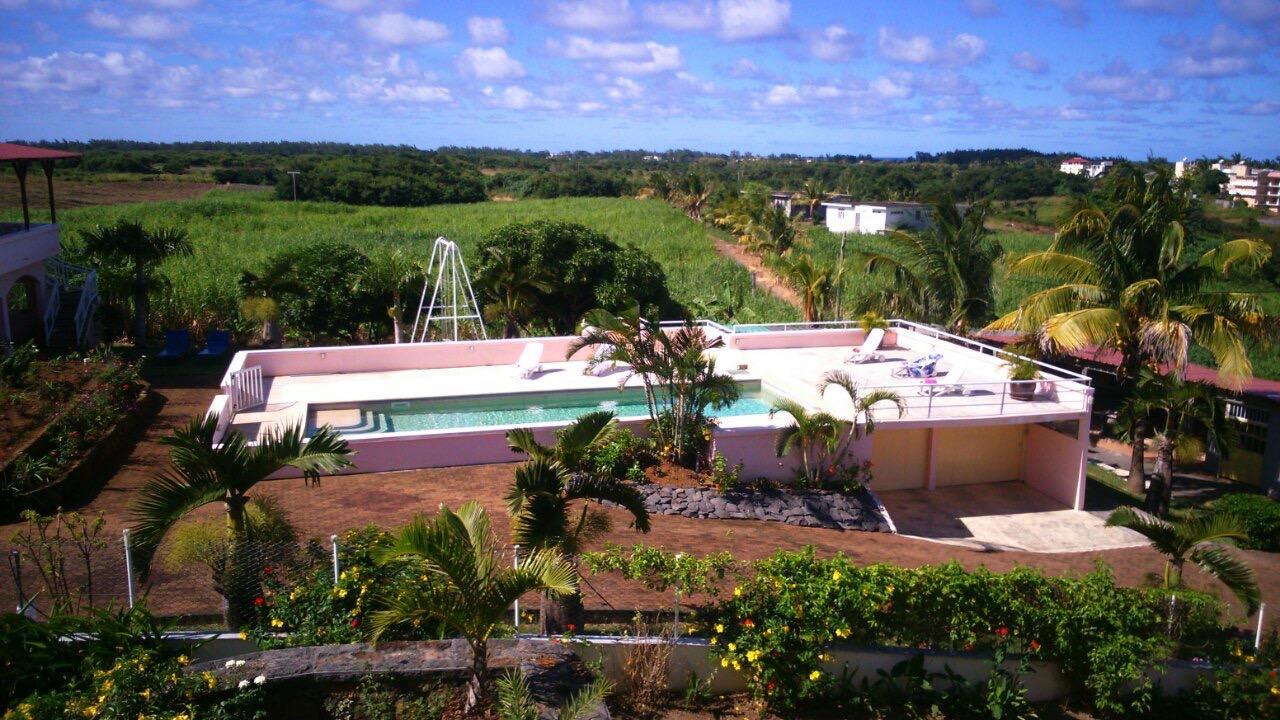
(15, 368)
(1260, 516)
(324, 302)
(623, 451)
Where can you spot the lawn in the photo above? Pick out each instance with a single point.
(235, 231)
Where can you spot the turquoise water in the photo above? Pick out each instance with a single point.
(515, 409)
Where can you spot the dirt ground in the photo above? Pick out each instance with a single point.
(79, 193)
(765, 278)
(389, 499)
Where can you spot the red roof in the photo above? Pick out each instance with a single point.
(1077, 160)
(13, 151)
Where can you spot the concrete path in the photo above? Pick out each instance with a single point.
(1002, 516)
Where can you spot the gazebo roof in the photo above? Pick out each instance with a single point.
(13, 151)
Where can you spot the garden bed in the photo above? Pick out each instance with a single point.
(806, 508)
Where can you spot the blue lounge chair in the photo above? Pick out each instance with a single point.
(176, 344)
(216, 344)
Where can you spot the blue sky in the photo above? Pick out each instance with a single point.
(1126, 77)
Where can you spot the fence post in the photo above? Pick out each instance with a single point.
(515, 609)
(15, 564)
(1173, 608)
(677, 628)
(1257, 636)
(333, 540)
(128, 567)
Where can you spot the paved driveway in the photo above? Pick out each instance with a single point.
(1002, 516)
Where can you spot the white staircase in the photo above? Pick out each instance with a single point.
(71, 293)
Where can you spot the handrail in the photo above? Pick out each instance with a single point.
(52, 303)
(245, 388)
(88, 303)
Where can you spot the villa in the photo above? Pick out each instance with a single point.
(844, 215)
(419, 405)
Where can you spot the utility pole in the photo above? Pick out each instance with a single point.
(293, 175)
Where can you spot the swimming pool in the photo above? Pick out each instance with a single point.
(373, 418)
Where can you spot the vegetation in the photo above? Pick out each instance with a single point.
(385, 180)
(1259, 517)
(128, 250)
(465, 585)
(1200, 541)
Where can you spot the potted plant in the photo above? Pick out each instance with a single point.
(1023, 375)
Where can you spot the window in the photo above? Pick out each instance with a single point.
(1251, 435)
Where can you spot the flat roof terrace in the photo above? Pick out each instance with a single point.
(971, 385)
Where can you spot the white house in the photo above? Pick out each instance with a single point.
(1083, 166)
(871, 218)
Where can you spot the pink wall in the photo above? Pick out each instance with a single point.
(1054, 463)
(803, 338)
(27, 247)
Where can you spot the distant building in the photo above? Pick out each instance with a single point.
(790, 203)
(1258, 188)
(844, 215)
(1182, 167)
(1083, 166)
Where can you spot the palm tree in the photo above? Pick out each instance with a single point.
(541, 496)
(822, 438)
(272, 283)
(1176, 408)
(388, 275)
(944, 273)
(466, 585)
(814, 281)
(813, 194)
(1199, 540)
(1121, 282)
(775, 230)
(512, 292)
(204, 473)
(142, 250)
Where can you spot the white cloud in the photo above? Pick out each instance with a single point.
(624, 88)
(1253, 12)
(1073, 12)
(752, 19)
(146, 26)
(629, 58)
(347, 5)
(1161, 7)
(693, 82)
(590, 15)
(783, 95)
(514, 97)
(1120, 82)
(489, 64)
(963, 49)
(1215, 67)
(835, 44)
(487, 30)
(982, 8)
(379, 90)
(73, 72)
(891, 88)
(744, 68)
(401, 29)
(1029, 61)
(8, 48)
(1263, 107)
(167, 4)
(587, 106)
(320, 96)
(256, 81)
(1224, 52)
(686, 15)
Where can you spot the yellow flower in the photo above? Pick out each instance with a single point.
(244, 635)
(737, 592)
(835, 576)
(768, 632)
(815, 675)
(786, 628)
(1275, 691)
(277, 622)
(719, 627)
(724, 662)
(184, 660)
(145, 694)
(714, 640)
(737, 665)
(753, 655)
(210, 680)
(340, 592)
(733, 647)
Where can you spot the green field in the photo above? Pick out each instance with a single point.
(234, 231)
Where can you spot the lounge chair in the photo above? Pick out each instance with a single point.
(601, 363)
(925, 366)
(530, 362)
(949, 385)
(216, 344)
(176, 345)
(870, 350)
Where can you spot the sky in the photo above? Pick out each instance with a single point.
(1130, 78)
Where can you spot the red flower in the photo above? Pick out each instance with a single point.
(571, 627)
(355, 623)
(1034, 645)
(748, 623)
(1002, 631)
(259, 601)
(266, 570)
(770, 686)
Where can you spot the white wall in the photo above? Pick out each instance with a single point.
(874, 219)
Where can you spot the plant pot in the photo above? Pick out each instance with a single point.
(1024, 390)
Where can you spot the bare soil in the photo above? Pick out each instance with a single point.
(765, 278)
(26, 412)
(80, 193)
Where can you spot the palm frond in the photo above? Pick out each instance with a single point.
(161, 503)
(606, 489)
(1231, 571)
(1162, 534)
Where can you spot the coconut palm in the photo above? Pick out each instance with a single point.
(465, 583)
(775, 230)
(942, 274)
(813, 193)
(142, 250)
(823, 439)
(204, 473)
(1177, 409)
(512, 292)
(1121, 282)
(814, 280)
(1200, 540)
(388, 275)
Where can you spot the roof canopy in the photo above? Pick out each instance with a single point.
(13, 151)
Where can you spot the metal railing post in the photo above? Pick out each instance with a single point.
(333, 540)
(677, 609)
(1257, 636)
(128, 567)
(515, 608)
(1004, 390)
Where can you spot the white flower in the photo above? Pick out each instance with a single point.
(243, 684)
(239, 663)
(260, 680)
(230, 664)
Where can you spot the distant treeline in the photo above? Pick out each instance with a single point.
(405, 175)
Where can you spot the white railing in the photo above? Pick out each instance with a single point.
(245, 388)
(942, 400)
(52, 303)
(88, 305)
(61, 275)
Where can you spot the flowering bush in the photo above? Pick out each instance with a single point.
(775, 627)
(302, 605)
(1249, 687)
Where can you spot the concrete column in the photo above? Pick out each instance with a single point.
(5, 334)
(931, 465)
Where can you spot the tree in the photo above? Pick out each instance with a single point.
(466, 585)
(204, 473)
(1177, 409)
(944, 273)
(541, 496)
(813, 194)
(1199, 540)
(264, 293)
(815, 282)
(323, 301)
(142, 250)
(512, 292)
(776, 231)
(1120, 281)
(388, 275)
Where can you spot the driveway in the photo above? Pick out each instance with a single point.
(1002, 516)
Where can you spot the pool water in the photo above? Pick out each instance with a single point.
(373, 418)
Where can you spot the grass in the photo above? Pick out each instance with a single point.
(235, 231)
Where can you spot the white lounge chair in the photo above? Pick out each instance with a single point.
(949, 384)
(600, 363)
(870, 350)
(530, 362)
